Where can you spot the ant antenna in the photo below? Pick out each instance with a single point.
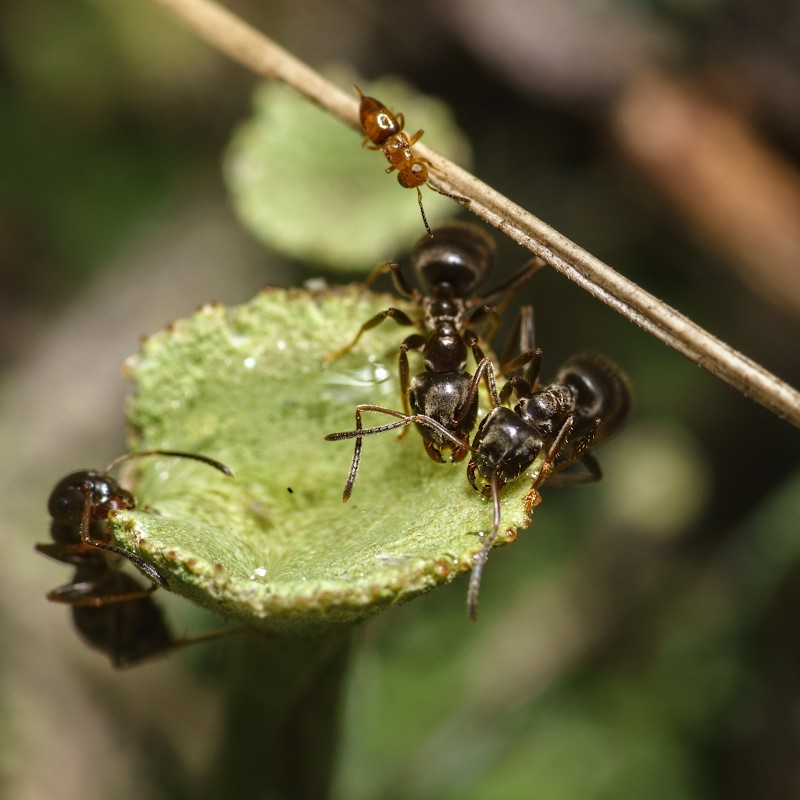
(402, 420)
(422, 211)
(212, 462)
(477, 570)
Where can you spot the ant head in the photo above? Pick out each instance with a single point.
(460, 255)
(102, 492)
(601, 391)
(413, 175)
(505, 444)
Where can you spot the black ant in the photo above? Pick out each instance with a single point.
(112, 611)
(586, 404)
(443, 396)
(384, 132)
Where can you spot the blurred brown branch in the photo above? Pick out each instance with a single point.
(729, 185)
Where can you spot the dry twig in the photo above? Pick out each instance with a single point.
(254, 50)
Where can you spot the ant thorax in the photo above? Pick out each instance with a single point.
(547, 409)
(398, 152)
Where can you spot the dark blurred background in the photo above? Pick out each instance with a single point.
(640, 639)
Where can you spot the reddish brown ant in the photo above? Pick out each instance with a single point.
(112, 611)
(450, 269)
(384, 132)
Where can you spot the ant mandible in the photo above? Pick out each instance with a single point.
(450, 269)
(585, 405)
(384, 132)
(113, 611)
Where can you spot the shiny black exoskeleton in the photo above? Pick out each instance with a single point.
(587, 403)
(113, 611)
(449, 268)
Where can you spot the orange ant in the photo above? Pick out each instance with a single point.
(384, 131)
(112, 611)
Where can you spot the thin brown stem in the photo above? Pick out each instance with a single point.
(254, 50)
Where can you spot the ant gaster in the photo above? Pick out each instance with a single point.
(444, 396)
(112, 610)
(586, 404)
(384, 132)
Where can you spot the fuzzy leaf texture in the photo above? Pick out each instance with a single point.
(275, 546)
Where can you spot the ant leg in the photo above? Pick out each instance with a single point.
(401, 284)
(72, 553)
(480, 561)
(399, 280)
(533, 358)
(485, 369)
(415, 138)
(210, 636)
(593, 474)
(413, 342)
(524, 333)
(521, 381)
(471, 340)
(516, 384)
(581, 452)
(503, 292)
(486, 318)
(533, 498)
(526, 329)
(471, 467)
(400, 317)
(84, 594)
(523, 386)
(379, 269)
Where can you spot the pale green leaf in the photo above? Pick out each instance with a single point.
(276, 544)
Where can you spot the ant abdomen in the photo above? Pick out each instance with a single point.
(602, 391)
(128, 632)
(377, 122)
(460, 256)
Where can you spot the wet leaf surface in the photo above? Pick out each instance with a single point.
(249, 386)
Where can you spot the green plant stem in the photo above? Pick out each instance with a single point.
(244, 44)
(281, 729)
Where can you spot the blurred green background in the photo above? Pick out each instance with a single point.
(639, 639)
